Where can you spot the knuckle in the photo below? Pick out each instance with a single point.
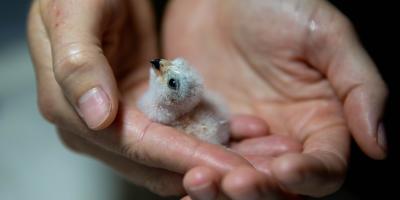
(75, 58)
(70, 66)
(47, 108)
(47, 112)
(135, 149)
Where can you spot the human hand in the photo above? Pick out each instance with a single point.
(92, 55)
(299, 66)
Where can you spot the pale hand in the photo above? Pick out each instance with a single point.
(297, 65)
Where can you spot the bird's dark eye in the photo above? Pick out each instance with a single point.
(173, 84)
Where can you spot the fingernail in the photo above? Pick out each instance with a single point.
(94, 107)
(203, 192)
(382, 137)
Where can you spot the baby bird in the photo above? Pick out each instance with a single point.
(176, 97)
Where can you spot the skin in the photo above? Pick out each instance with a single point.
(301, 69)
(66, 37)
(291, 72)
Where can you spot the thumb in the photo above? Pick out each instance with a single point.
(355, 79)
(79, 65)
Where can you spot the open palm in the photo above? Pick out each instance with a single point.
(282, 61)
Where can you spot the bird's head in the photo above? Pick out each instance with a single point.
(175, 84)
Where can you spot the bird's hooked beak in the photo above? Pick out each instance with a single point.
(160, 66)
(156, 64)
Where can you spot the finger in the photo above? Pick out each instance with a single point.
(336, 51)
(261, 151)
(273, 145)
(55, 108)
(244, 183)
(159, 181)
(320, 169)
(153, 145)
(40, 50)
(221, 197)
(186, 198)
(246, 126)
(201, 183)
(157, 145)
(80, 68)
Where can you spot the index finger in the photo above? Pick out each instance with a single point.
(157, 145)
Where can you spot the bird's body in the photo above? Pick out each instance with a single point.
(206, 121)
(176, 97)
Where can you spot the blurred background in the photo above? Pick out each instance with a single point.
(35, 165)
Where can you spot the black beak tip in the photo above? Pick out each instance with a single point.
(156, 63)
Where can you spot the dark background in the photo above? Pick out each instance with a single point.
(375, 22)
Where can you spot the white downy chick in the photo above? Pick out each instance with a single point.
(176, 97)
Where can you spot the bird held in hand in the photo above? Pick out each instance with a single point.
(176, 97)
